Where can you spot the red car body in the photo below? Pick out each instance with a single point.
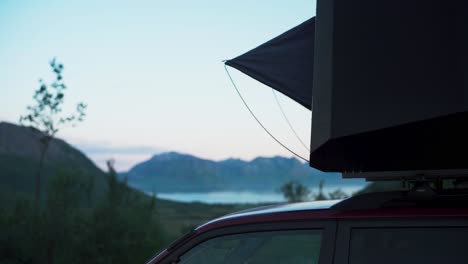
(378, 216)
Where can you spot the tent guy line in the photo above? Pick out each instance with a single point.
(288, 122)
(258, 121)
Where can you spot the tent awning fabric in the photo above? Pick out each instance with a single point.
(285, 63)
(388, 81)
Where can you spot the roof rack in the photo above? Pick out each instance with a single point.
(421, 195)
(409, 175)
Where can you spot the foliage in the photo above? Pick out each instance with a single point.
(337, 194)
(16, 184)
(46, 116)
(122, 227)
(294, 191)
(321, 196)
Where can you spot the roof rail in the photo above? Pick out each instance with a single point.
(408, 175)
(421, 196)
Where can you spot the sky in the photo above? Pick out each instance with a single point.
(151, 73)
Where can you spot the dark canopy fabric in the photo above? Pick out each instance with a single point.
(390, 86)
(390, 83)
(285, 63)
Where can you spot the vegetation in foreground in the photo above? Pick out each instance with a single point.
(80, 221)
(121, 228)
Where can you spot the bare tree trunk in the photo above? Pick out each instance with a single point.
(45, 146)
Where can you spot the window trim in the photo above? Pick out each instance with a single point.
(344, 228)
(328, 228)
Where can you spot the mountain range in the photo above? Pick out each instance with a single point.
(163, 173)
(176, 172)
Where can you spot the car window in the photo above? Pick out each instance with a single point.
(299, 246)
(409, 245)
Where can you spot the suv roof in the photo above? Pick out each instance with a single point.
(281, 208)
(398, 204)
(383, 204)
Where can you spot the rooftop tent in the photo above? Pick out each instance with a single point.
(390, 86)
(390, 83)
(284, 63)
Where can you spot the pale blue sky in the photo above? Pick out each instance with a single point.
(151, 73)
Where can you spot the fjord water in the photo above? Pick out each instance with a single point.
(242, 197)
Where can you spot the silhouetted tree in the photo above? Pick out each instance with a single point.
(337, 194)
(45, 115)
(64, 196)
(294, 191)
(320, 196)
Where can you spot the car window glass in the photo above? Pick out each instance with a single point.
(408, 245)
(299, 246)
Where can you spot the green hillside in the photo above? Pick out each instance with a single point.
(17, 176)
(19, 157)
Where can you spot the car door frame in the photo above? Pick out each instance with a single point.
(328, 228)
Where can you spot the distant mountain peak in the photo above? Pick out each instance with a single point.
(177, 172)
(171, 155)
(233, 161)
(277, 160)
